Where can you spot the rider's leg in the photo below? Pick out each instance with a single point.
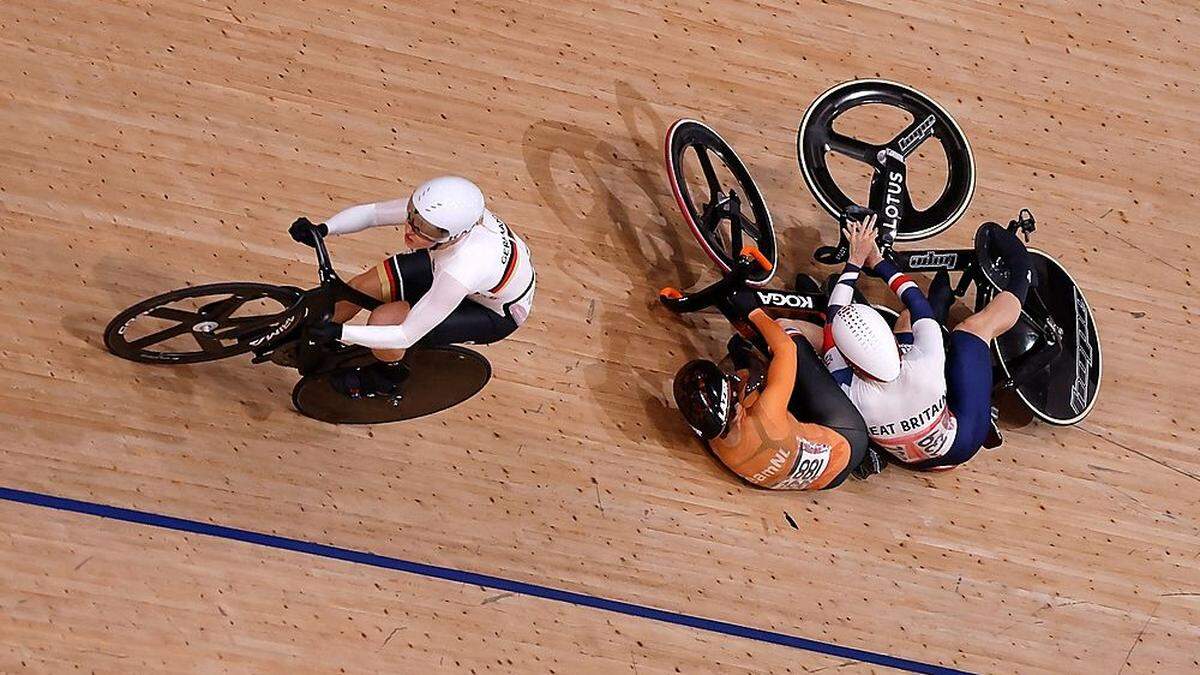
(385, 376)
(403, 280)
(1004, 310)
(817, 399)
(968, 396)
(370, 282)
(389, 314)
(469, 323)
(969, 377)
(404, 276)
(397, 281)
(995, 319)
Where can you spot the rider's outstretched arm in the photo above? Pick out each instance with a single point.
(781, 373)
(364, 216)
(905, 288)
(927, 333)
(841, 295)
(443, 297)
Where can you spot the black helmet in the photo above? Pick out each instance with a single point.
(704, 395)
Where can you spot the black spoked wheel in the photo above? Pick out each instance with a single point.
(719, 200)
(202, 323)
(817, 138)
(439, 378)
(1064, 388)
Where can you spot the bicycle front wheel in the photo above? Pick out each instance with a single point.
(201, 323)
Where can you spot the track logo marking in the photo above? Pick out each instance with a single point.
(1083, 355)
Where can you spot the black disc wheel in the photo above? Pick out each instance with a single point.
(1056, 321)
(201, 323)
(719, 200)
(818, 138)
(439, 378)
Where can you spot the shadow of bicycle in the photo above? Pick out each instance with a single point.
(610, 193)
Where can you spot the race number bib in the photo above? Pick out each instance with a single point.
(926, 444)
(813, 459)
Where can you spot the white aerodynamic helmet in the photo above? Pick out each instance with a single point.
(865, 340)
(445, 207)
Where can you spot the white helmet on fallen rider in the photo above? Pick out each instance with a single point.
(864, 338)
(445, 207)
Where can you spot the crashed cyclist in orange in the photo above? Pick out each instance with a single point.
(796, 431)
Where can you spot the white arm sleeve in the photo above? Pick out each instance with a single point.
(843, 291)
(363, 216)
(927, 337)
(444, 295)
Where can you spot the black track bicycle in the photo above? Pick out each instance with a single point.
(218, 321)
(1051, 358)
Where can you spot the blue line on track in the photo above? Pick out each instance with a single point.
(460, 576)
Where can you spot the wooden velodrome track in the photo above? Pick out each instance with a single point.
(147, 145)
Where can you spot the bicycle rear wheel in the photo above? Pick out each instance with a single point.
(439, 378)
(201, 323)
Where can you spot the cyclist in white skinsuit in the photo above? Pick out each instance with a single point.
(906, 413)
(928, 406)
(466, 279)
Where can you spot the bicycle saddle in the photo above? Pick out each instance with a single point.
(991, 263)
(988, 250)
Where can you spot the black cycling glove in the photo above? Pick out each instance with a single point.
(305, 232)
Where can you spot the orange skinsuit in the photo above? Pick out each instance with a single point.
(765, 444)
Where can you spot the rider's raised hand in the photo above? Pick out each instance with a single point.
(303, 231)
(874, 256)
(861, 235)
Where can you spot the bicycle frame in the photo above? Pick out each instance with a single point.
(930, 260)
(314, 304)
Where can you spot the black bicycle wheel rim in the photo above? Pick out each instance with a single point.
(816, 131)
(691, 135)
(209, 347)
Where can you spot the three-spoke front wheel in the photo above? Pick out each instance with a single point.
(820, 138)
(201, 323)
